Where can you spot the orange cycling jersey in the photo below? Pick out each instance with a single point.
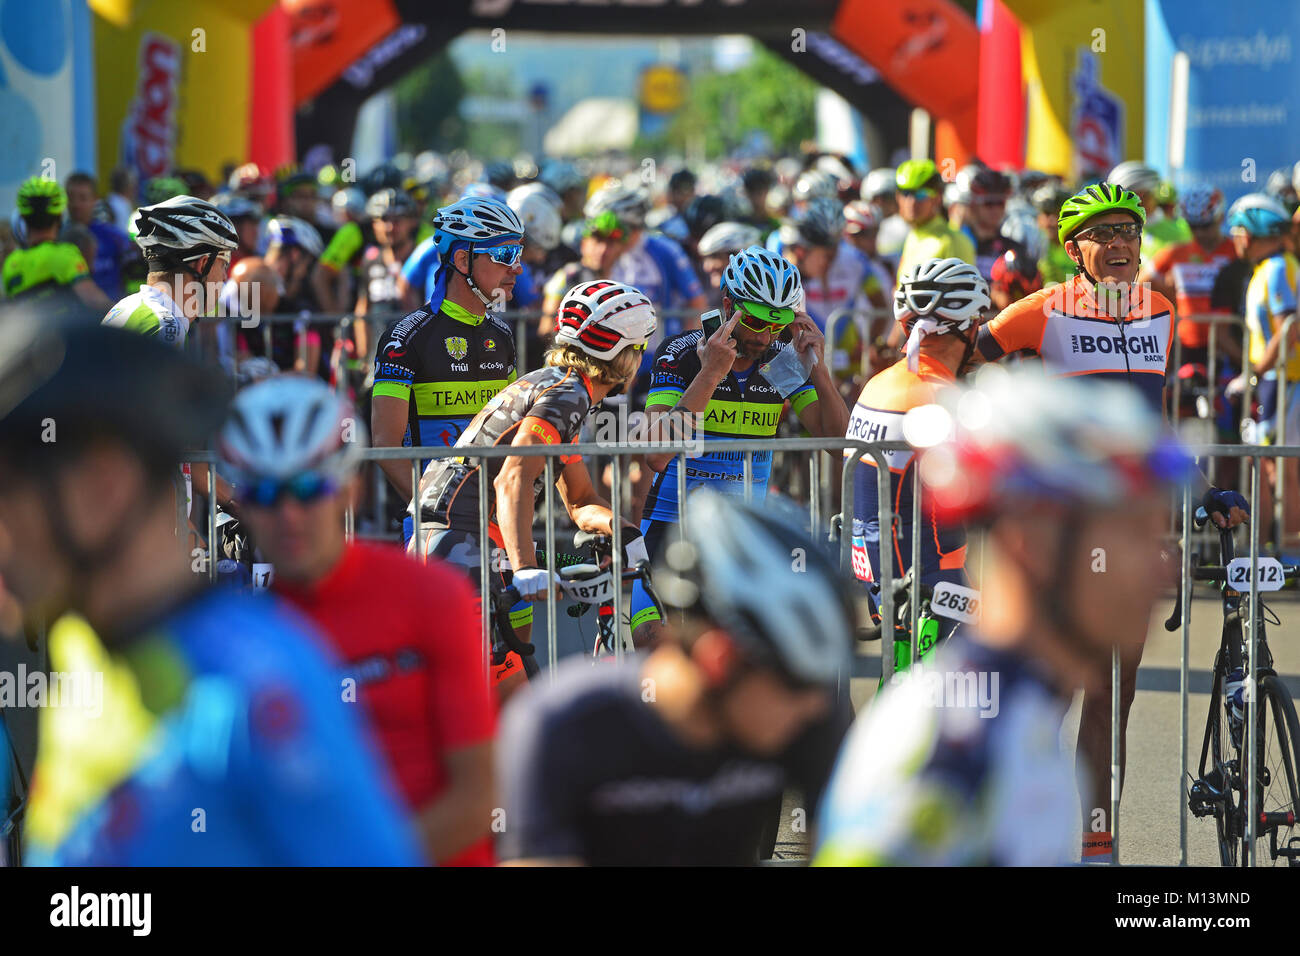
(1064, 326)
(1192, 271)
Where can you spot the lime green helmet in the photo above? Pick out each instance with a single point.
(41, 196)
(161, 188)
(915, 173)
(1093, 201)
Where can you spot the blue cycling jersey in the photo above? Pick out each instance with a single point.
(219, 737)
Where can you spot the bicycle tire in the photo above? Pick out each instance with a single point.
(1281, 713)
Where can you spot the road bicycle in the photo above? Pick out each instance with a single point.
(942, 608)
(1219, 790)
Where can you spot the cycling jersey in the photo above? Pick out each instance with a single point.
(590, 771)
(748, 409)
(551, 403)
(654, 265)
(1270, 295)
(1192, 269)
(1064, 326)
(1160, 232)
(446, 365)
(959, 766)
(113, 247)
(407, 634)
(878, 416)
(219, 738)
(934, 240)
(851, 280)
(43, 268)
(379, 282)
(991, 249)
(344, 247)
(151, 311)
(1056, 265)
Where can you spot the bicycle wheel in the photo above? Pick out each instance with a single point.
(1222, 774)
(1279, 737)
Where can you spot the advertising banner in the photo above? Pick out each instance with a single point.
(1243, 101)
(1084, 84)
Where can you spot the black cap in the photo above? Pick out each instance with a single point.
(89, 380)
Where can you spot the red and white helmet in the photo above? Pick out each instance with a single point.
(602, 318)
(1202, 204)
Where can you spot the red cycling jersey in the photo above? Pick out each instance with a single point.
(409, 634)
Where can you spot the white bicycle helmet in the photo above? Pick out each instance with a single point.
(1202, 204)
(292, 231)
(728, 237)
(1135, 175)
(538, 213)
(879, 182)
(602, 318)
(289, 425)
(937, 296)
(732, 567)
(761, 276)
(182, 228)
(859, 217)
(476, 220)
(628, 204)
(815, 184)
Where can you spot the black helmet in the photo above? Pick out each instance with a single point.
(703, 213)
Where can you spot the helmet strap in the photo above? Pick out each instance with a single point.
(469, 279)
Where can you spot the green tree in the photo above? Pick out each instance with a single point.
(766, 94)
(428, 106)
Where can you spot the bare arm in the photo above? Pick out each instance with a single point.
(460, 816)
(1275, 345)
(324, 282)
(388, 420)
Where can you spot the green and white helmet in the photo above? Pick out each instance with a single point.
(764, 284)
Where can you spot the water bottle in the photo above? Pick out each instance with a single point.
(1234, 692)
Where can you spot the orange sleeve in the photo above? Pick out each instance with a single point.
(1019, 326)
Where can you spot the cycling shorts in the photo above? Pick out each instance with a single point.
(461, 550)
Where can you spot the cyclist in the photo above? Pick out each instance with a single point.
(593, 771)
(333, 270)
(247, 217)
(1056, 266)
(963, 765)
(1139, 178)
(437, 367)
(879, 188)
(47, 265)
(1185, 272)
(186, 244)
(1070, 328)
(603, 328)
(219, 737)
(929, 235)
(719, 381)
(988, 190)
(405, 632)
(293, 247)
(939, 305)
(1014, 276)
(1259, 226)
(113, 246)
(719, 244)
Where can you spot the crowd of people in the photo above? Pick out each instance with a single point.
(763, 300)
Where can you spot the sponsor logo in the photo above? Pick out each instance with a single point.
(490, 345)
(541, 432)
(459, 366)
(457, 347)
(493, 366)
(1145, 347)
(149, 134)
(395, 352)
(397, 371)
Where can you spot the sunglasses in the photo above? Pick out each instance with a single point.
(917, 193)
(503, 255)
(766, 328)
(1107, 232)
(305, 488)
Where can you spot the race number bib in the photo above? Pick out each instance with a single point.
(263, 575)
(1271, 577)
(956, 602)
(579, 584)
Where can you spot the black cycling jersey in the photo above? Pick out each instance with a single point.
(446, 365)
(590, 771)
(555, 400)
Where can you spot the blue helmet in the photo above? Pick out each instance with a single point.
(759, 276)
(478, 220)
(1260, 215)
